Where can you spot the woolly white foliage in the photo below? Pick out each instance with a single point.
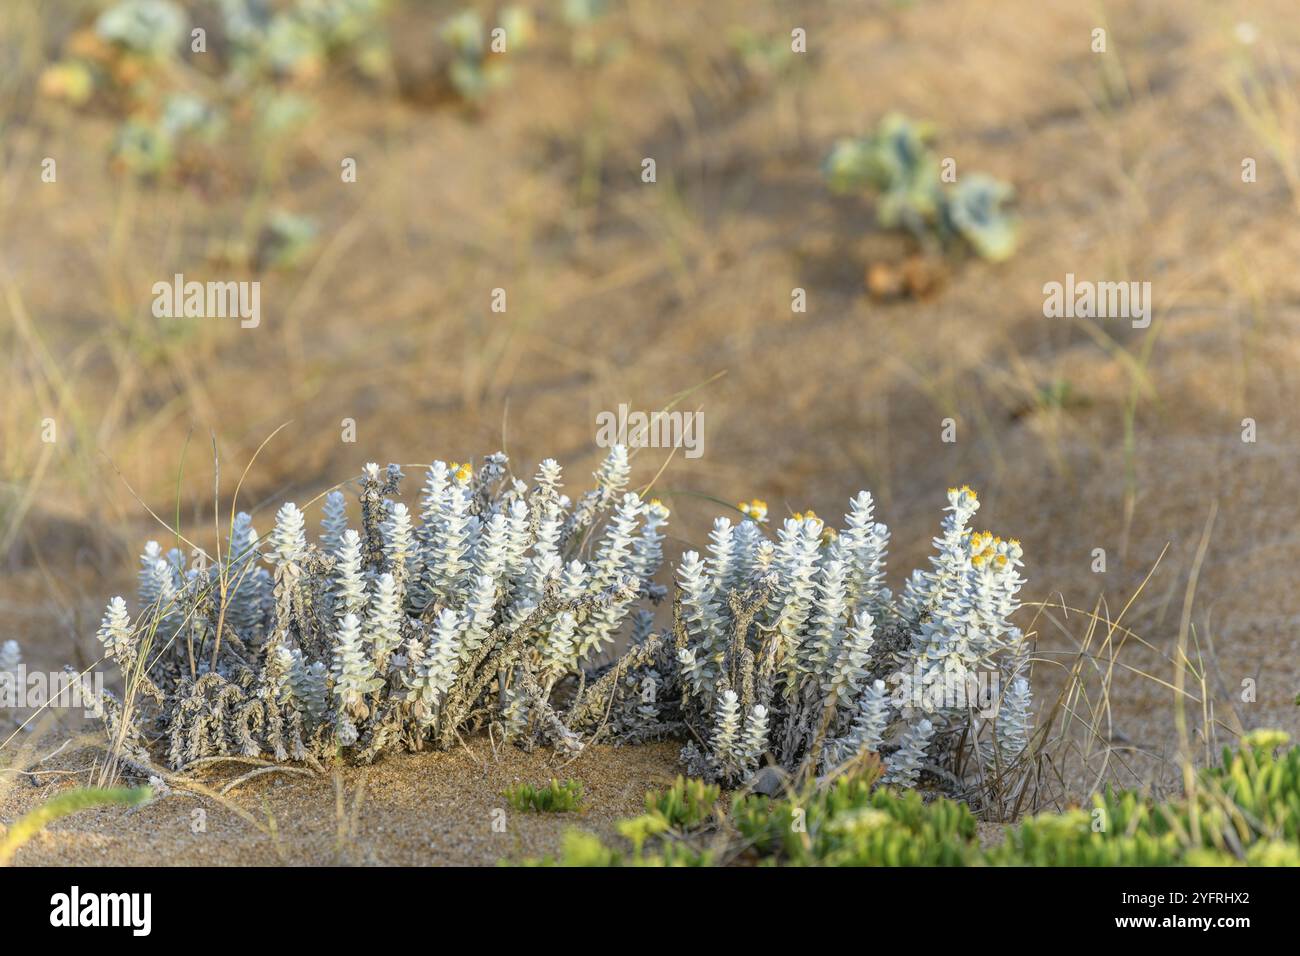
(396, 632)
(384, 622)
(289, 540)
(334, 522)
(614, 562)
(754, 741)
(868, 730)
(796, 566)
(1013, 720)
(308, 685)
(559, 651)
(159, 584)
(827, 631)
(116, 634)
(406, 634)
(11, 657)
(866, 543)
(726, 730)
(480, 611)
(353, 672)
(722, 555)
(840, 667)
(248, 584)
(433, 669)
(736, 746)
(903, 766)
(349, 583)
(849, 668)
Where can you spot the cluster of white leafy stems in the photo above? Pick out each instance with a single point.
(794, 651)
(503, 604)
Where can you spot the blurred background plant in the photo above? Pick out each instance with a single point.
(898, 164)
(475, 71)
(24, 829)
(176, 72)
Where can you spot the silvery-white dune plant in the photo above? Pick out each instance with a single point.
(488, 609)
(506, 604)
(794, 652)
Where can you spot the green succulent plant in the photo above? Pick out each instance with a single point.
(850, 824)
(686, 804)
(1247, 811)
(554, 797)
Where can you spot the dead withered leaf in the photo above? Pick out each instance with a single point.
(917, 277)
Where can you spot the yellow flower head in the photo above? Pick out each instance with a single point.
(462, 473)
(962, 496)
(756, 509)
(660, 507)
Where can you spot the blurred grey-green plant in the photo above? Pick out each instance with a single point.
(475, 70)
(135, 61)
(897, 164)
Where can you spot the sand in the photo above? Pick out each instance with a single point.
(416, 810)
